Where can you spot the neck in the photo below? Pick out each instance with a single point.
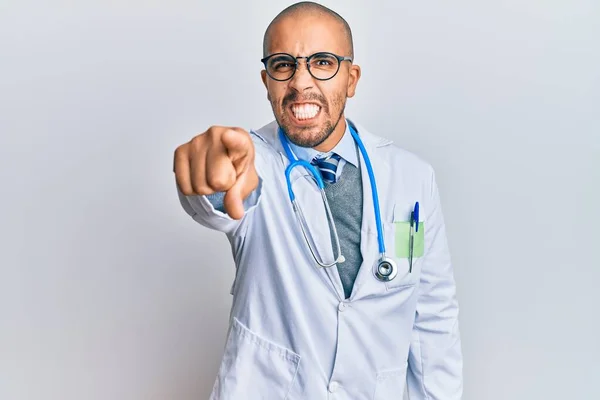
(333, 139)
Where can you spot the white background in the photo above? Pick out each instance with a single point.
(108, 290)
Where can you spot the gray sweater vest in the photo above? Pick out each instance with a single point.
(346, 202)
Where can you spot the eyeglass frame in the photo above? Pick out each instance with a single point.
(307, 58)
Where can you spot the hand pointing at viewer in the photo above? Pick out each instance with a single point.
(218, 160)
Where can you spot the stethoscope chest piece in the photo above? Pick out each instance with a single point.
(386, 269)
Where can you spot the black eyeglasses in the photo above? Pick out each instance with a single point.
(322, 65)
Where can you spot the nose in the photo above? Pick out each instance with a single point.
(302, 79)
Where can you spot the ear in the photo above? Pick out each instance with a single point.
(264, 77)
(353, 77)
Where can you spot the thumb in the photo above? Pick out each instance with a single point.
(240, 150)
(233, 201)
(246, 183)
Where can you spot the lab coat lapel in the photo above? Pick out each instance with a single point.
(368, 233)
(369, 247)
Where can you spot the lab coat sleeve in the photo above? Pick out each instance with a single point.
(435, 356)
(209, 211)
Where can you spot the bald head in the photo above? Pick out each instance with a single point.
(308, 8)
(309, 108)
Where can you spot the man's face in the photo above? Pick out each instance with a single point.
(308, 109)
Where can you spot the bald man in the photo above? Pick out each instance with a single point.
(349, 292)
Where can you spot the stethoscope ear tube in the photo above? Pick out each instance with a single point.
(374, 192)
(288, 171)
(386, 268)
(303, 227)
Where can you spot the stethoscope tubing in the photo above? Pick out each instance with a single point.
(386, 265)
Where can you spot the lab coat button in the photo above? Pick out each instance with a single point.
(333, 387)
(342, 306)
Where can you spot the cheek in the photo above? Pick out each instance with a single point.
(275, 95)
(338, 99)
(335, 95)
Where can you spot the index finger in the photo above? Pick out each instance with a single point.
(237, 142)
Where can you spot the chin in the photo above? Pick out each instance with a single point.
(306, 137)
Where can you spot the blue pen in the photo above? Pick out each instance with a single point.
(414, 226)
(416, 215)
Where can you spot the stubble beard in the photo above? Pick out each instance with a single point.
(300, 136)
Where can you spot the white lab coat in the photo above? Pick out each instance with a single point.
(292, 334)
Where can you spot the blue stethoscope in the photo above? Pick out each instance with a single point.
(386, 269)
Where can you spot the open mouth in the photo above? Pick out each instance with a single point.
(305, 112)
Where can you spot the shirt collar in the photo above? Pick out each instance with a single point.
(346, 148)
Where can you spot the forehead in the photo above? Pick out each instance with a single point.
(307, 34)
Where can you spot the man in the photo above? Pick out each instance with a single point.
(299, 330)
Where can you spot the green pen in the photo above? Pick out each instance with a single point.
(411, 241)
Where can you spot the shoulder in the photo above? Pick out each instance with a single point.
(396, 157)
(265, 138)
(267, 148)
(407, 171)
(399, 156)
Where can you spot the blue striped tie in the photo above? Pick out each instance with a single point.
(327, 166)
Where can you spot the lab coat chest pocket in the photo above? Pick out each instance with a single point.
(397, 241)
(254, 367)
(390, 383)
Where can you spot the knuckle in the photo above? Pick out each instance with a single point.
(186, 191)
(243, 132)
(183, 185)
(197, 142)
(214, 130)
(199, 188)
(219, 181)
(180, 151)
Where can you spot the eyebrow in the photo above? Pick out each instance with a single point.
(281, 57)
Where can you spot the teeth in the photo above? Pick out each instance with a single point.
(305, 111)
